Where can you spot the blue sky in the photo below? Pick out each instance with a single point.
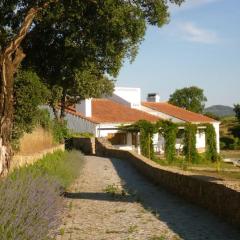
(199, 47)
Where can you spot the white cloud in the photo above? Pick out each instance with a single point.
(190, 4)
(190, 32)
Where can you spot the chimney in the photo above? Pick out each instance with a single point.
(153, 97)
(85, 107)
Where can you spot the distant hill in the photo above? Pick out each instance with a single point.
(220, 110)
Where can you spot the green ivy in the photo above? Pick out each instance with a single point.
(147, 130)
(211, 144)
(169, 131)
(190, 151)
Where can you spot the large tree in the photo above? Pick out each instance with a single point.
(237, 111)
(190, 98)
(19, 17)
(94, 45)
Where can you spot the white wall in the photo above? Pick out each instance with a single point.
(104, 129)
(85, 107)
(78, 124)
(200, 139)
(127, 96)
(217, 130)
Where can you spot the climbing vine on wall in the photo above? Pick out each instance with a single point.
(211, 144)
(147, 130)
(169, 131)
(189, 149)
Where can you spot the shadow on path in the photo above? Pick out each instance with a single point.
(187, 220)
(99, 196)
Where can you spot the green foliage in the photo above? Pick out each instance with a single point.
(29, 93)
(60, 131)
(229, 143)
(211, 143)
(44, 119)
(169, 131)
(191, 98)
(61, 166)
(89, 84)
(212, 115)
(147, 130)
(189, 149)
(237, 111)
(84, 42)
(82, 134)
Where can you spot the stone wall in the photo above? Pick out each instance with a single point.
(85, 145)
(216, 197)
(21, 160)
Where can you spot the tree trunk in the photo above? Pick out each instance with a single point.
(10, 58)
(63, 105)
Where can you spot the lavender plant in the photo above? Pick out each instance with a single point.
(29, 207)
(30, 197)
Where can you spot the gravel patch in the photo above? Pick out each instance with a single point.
(111, 201)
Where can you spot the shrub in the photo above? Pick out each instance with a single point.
(147, 129)
(44, 119)
(29, 93)
(30, 201)
(228, 142)
(29, 207)
(211, 143)
(169, 131)
(60, 131)
(190, 151)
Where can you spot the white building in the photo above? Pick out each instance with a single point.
(102, 118)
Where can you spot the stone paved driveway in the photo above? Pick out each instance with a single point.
(111, 201)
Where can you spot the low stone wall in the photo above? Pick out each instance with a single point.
(216, 197)
(85, 145)
(21, 160)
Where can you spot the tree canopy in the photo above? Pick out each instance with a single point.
(92, 37)
(237, 111)
(29, 93)
(191, 98)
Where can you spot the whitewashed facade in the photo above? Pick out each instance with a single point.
(130, 97)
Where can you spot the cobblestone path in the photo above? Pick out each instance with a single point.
(111, 201)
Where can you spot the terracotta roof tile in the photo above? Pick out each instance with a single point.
(178, 112)
(107, 111)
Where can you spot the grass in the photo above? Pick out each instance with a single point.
(112, 189)
(132, 228)
(220, 169)
(230, 153)
(62, 166)
(120, 211)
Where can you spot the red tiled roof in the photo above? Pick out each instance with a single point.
(178, 112)
(107, 111)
